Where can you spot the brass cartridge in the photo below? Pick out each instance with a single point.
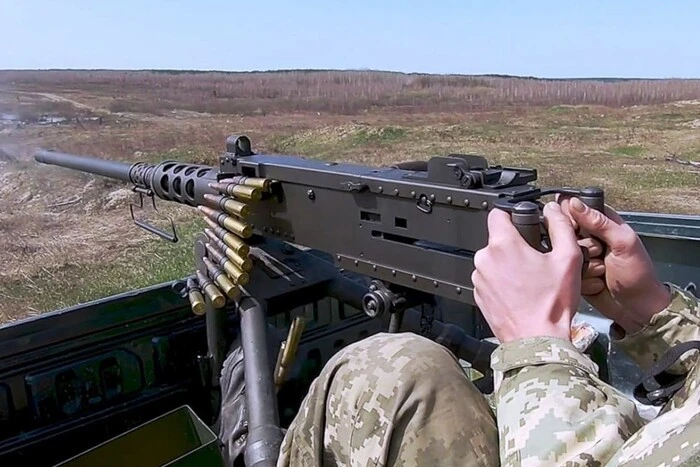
(221, 280)
(234, 243)
(238, 276)
(194, 294)
(238, 191)
(244, 264)
(229, 205)
(231, 224)
(210, 290)
(255, 182)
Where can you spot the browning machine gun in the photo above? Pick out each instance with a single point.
(412, 228)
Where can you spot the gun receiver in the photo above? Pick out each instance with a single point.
(415, 225)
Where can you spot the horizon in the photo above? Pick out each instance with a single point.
(543, 39)
(338, 70)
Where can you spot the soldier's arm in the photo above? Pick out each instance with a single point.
(649, 317)
(551, 405)
(678, 322)
(553, 409)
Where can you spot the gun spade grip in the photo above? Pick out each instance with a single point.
(594, 198)
(526, 218)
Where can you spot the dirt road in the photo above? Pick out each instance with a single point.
(54, 98)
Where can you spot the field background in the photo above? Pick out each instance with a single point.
(67, 237)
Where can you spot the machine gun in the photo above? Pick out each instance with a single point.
(413, 228)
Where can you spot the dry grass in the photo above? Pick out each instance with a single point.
(341, 92)
(67, 237)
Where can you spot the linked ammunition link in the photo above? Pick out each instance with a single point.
(226, 261)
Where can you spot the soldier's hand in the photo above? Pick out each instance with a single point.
(624, 287)
(522, 292)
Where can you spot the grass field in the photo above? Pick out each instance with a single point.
(67, 237)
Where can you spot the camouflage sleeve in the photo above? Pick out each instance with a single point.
(553, 409)
(679, 322)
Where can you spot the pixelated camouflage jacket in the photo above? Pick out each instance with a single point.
(553, 409)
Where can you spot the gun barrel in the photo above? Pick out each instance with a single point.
(169, 180)
(106, 168)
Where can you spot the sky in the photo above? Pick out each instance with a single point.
(550, 39)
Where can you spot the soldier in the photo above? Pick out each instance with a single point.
(400, 399)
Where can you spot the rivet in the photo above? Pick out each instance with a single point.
(413, 194)
(380, 189)
(466, 202)
(414, 278)
(393, 272)
(459, 290)
(396, 191)
(449, 199)
(356, 262)
(485, 204)
(374, 267)
(432, 196)
(339, 257)
(435, 284)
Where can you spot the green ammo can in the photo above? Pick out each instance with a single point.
(177, 438)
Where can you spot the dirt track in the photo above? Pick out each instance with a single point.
(50, 97)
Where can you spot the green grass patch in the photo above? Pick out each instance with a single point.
(332, 142)
(627, 150)
(665, 120)
(653, 179)
(379, 135)
(692, 154)
(567, 109)
(668, 117)
(155, 262)
(305, 147)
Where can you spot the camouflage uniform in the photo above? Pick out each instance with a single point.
(400, 399)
